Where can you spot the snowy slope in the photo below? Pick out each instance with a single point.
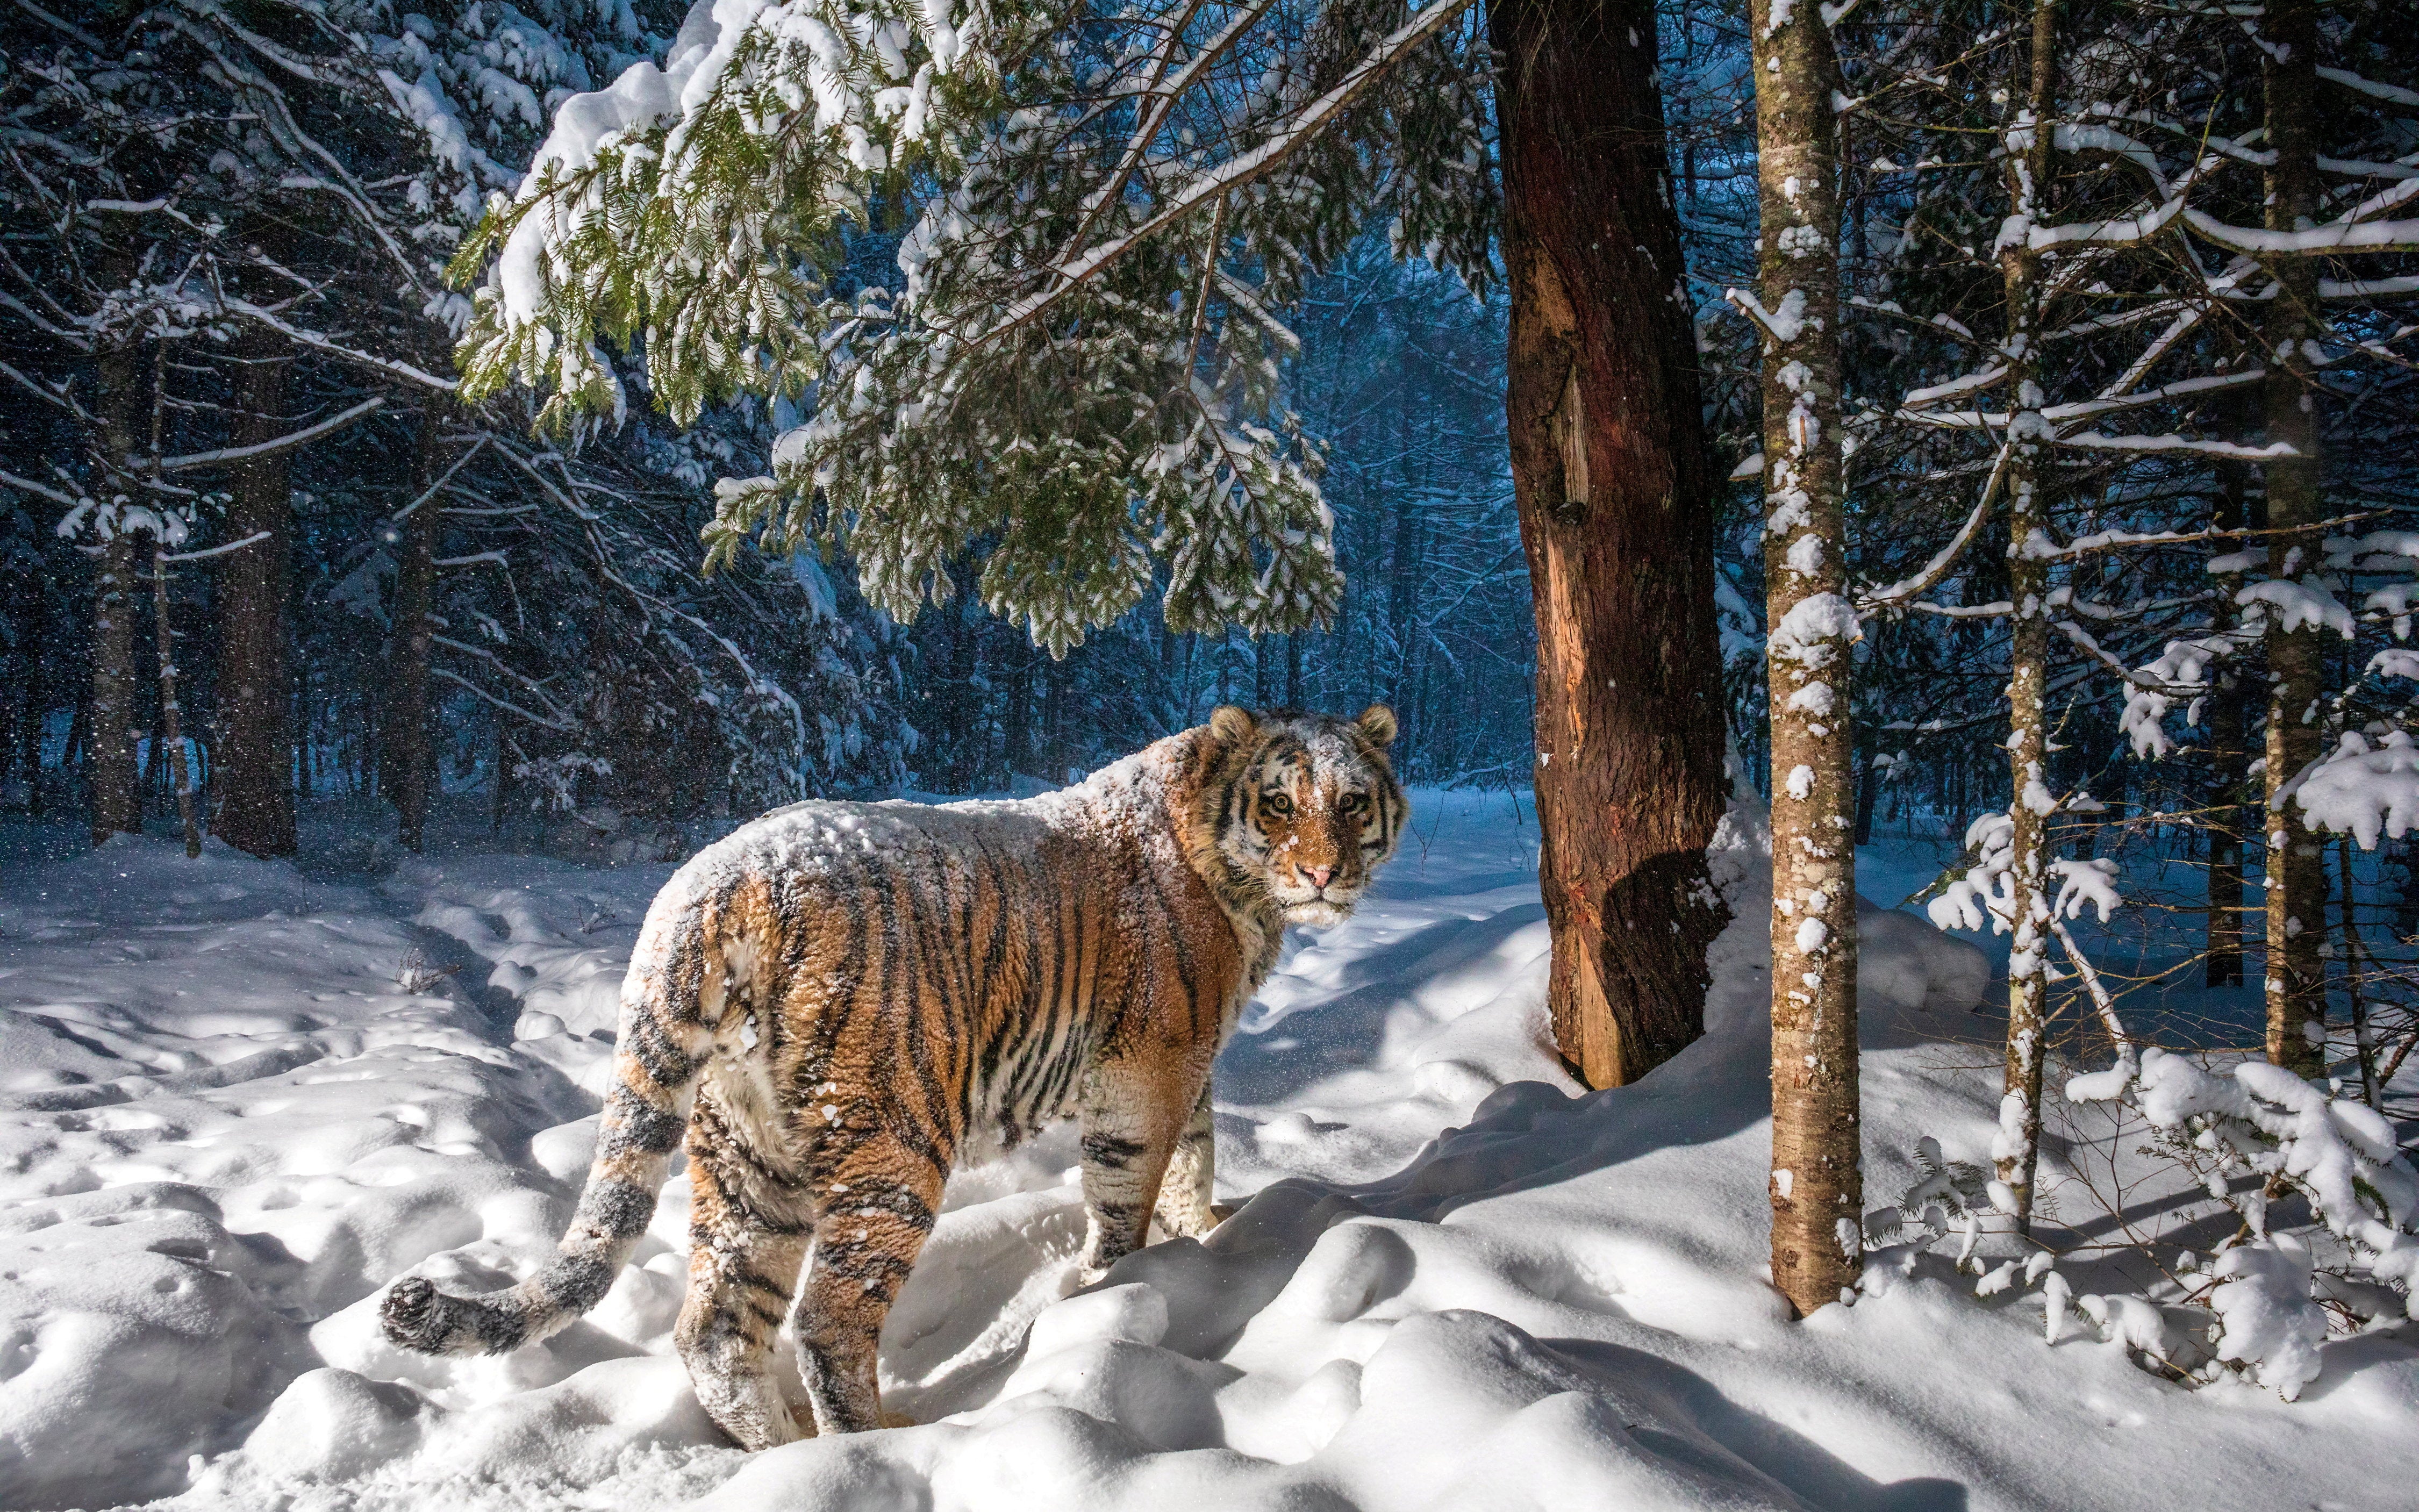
(1461, 1283)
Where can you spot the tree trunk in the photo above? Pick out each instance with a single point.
(2296, 858)
(111, 777)
(1616, 500)
(172, 730)
(1817, 1187)
(32, 727)
(408, 758)
(2015, 1148)
(2229, 732)
(252, 775)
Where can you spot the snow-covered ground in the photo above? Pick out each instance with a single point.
(236, 1099)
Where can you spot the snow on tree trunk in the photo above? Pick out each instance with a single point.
(2016, 1149)
(2293, 323)
(407, 762)
(252, 774)
(1614, 493)
(1817, 1186)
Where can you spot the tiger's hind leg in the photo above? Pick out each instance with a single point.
(747, 1246)
(877, 1210)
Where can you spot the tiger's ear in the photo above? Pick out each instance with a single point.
(1232, 726)
(1377, 725)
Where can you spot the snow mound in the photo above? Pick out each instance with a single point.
(1459, 1281)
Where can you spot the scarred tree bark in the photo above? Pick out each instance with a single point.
(1817, 1186)
(1614, 492)
(2296, 858)
(252, 780)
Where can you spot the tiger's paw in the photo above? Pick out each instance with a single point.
(897, 1420)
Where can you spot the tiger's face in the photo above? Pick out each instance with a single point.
(1311, 809)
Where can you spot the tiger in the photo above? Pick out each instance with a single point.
(839, 1002)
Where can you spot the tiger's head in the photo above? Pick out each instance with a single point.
(1305, 807)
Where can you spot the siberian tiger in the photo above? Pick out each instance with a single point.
(839, 1001)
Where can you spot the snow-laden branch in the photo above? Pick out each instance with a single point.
(39, 490)
(2091, 441)
(2392, 94)
(1235, 173)
(1938, 569)
(334, 348)
(283, 444)
(2339, 236)
(443, 479)
(207, 552)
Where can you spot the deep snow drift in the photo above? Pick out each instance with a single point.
(224, 1124)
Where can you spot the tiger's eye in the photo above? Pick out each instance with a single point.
(1278, 803)
(1353, 803)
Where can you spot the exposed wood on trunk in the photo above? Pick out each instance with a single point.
(2296, 857)
(252, 780)
(1629, 770)
(1817, 1184)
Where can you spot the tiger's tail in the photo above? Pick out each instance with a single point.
(667, 1033)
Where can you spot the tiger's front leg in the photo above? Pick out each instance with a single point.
(1184, 1207)
(1133, 1114)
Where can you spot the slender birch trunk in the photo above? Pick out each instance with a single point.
(2015, 1151)
(1615, 491)
(1817, 1187)
(2296, 857)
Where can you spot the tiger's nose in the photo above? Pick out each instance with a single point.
(1318, 874)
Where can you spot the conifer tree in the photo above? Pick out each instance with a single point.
(1076, 389)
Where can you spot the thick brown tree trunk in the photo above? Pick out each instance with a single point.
(2296, 857)
(252, 780)
(407, 760)
(1614, 493)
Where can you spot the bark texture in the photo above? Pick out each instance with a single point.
(252, 780)
(2015, 1151)
(172, 728)
(111, 778)
(1817, 1187)
(410, 766)
(1614, 493)
(2296, 858)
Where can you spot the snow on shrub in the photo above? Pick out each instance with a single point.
(2247, 1131)
(2360, 789)
(2246, 1134)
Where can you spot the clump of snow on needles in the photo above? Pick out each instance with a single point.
(1459, 1281)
